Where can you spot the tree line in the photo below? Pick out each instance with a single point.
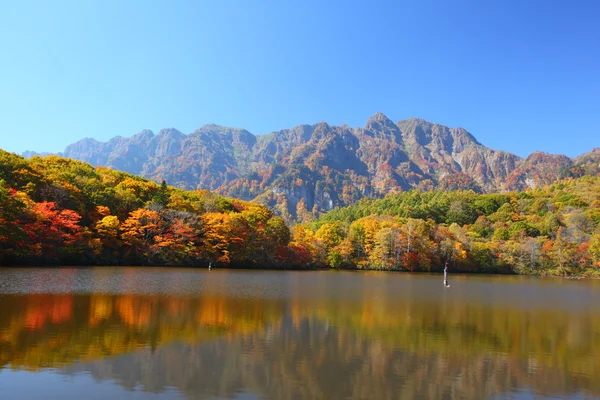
(55, 210)
(553, 230)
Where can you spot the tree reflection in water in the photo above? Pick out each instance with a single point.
(305, 344)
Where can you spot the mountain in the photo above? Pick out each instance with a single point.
(29, 154)
(308, 169)
(586, 164)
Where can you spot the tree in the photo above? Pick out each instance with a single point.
(278, 232)
(563, 253)
(482, 227)
(595, 249)
(216, 237)
(178, 244)
(12, 235)
(331, 234)
(55, 233)
(450, 249)
(362, 234)
(162, 195)
(342, 254)
(531, 250)
(139, 231)
(304, 240)
(302, 213)
(107, 231)
(387, 249)
(461, 212)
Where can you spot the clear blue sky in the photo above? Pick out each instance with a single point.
(521, 75)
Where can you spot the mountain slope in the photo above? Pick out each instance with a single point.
(305, 170)
(59, 211)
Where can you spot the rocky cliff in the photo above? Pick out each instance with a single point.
(313, 168)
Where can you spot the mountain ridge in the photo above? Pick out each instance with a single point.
(305, 170)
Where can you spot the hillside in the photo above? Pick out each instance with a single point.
(304, 171)
(56, 210)
(553, 230)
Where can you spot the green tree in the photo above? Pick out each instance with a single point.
(461, 212)
(162, 195)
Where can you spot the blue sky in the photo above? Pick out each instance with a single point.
(521, 75)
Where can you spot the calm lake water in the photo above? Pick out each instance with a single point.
(167, 333)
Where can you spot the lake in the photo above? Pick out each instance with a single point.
(170, 333)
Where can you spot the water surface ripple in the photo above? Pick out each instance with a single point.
(171, 333)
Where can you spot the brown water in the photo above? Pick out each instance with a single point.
(136, 333)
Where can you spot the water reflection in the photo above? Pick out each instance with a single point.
(310, 335)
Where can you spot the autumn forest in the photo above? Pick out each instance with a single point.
(58, 211)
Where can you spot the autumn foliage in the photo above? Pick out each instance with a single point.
(554, 230)
(59, 211)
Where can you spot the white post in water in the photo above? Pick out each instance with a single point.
(446, 275)
(209, 265)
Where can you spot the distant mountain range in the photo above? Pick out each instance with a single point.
(313, 168)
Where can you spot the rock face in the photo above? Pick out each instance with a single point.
(314, 168)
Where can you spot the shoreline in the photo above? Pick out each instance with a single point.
(299, 269)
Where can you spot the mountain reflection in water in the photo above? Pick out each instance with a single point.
(313, 335)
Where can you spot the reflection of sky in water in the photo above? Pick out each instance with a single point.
(57, 386)
(53, 385)
(165, 333)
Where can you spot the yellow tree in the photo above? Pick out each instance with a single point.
(342, 254)
(304, 239)
(216, 236)
(595, 249)
(140, 230)
(178, 202)
(107, 230)
(387, 248)
(302, 213)
(362, 234)
(330, 234)
(108, 227)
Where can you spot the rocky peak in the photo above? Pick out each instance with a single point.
(84, 145)
(321, 130)
(143, 136)
(543, 157)
(416, 130)
(218, 132)
(464, 136)
(210, 129)
(88, 141)
(170, 133)
(591, 157)
(166, 143)
(344, 163)
(379, 119)
(321, 126)
(379, 125)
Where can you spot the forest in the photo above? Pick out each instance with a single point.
(550, 231)
(58, 211)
